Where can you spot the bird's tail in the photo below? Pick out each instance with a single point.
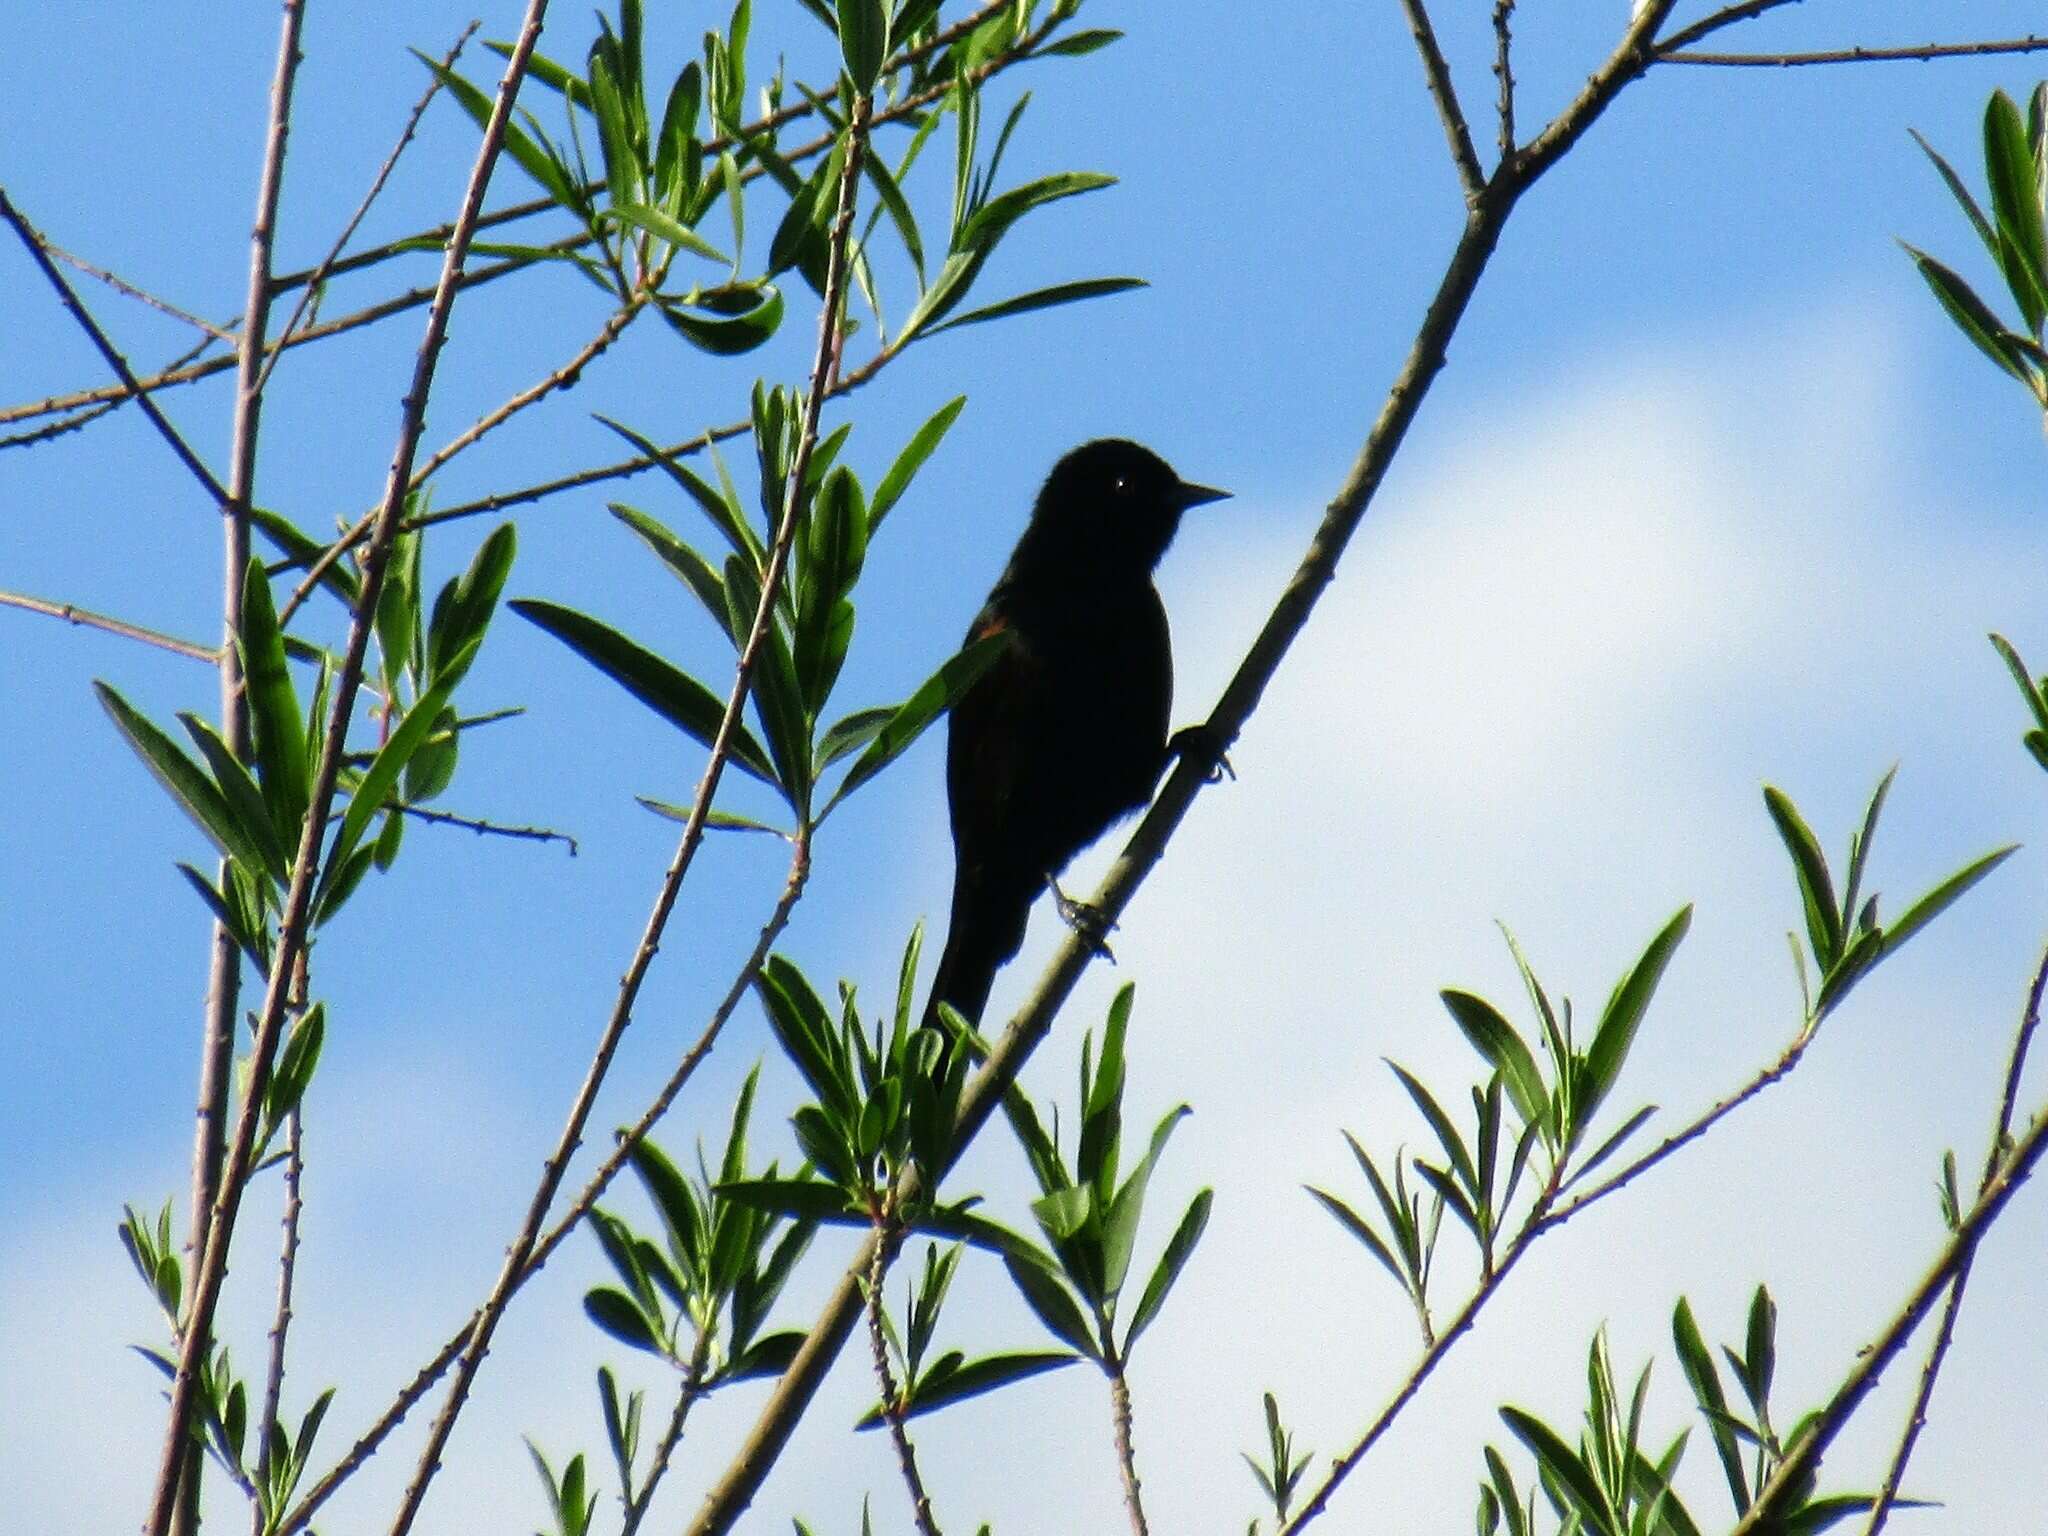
(980, 936)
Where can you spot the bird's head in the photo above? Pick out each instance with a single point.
(1112, 505)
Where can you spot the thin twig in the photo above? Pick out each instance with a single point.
(1504, 75)
(1445, 95)
(191, 373)
(121, 285)
(224, 952)
(281, 1322)
(637, 1504)
(1126, 1455)
(72, 614)
(1803, 1458)
(1922, 52)
(309, 283)
(1937, 1354)
(107, 350)
(1026, 49)
(483, 828)
(556, 1166)
(295, 917)
(423, 1380)
(892, 1399)
(561, 378)
(1727, 16)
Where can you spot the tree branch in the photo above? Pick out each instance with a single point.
(879, 1251)
(1126, 1454)
(72, 614)
(34, 242)
(1445, 94)
(1937, 1354)
(295, 920)
(1922, 52)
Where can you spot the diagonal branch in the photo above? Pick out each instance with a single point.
(892, 1398)
(511, 1275)
(107, 349)
(72, 614)
(1445, 94)
(296, 917)
(1910, 53)
(2001, 1135)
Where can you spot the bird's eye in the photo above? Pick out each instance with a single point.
(1123, 485)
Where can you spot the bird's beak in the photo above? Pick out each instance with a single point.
(1197, 495)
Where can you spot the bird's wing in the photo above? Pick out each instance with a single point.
(992, 736)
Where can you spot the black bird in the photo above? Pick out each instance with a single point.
(1066, 732)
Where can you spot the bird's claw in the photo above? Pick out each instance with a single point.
(1200, 744)
(1092, 923)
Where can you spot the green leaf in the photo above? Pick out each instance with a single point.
(273, 707)
(723, 510)
(674, 695)
(1859, 846)
(303, 550)
(664, 226)
(615, 1312)
(1944, 895)
(2016, 205)
(1961, 193)
(1816, 887)
(1561, 1462)
(1439, 1122)
(244, 801)
(723, 332)
(863, 41)
(1120, 1221)
(920, 448)
(1698, 1364)
(767, 1356)
(677, 154)
(892, 199)
(1054, 1305)
(1178, 1250)
(1075, 44)
(1495, 1040)
(1624, 1012)
(186, 783)
(527, 154)
(938, 693)
(296, 1064)
(227, 917)
(1359, 1228)
(850, 734)
(2037, 702)
(1971, 315)
(974, 1377)
(1042, 298)
(381, 778)
(993, 219)
(799, 1199)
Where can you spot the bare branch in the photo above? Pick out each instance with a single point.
(1937, 1354)
(511, 1275)
(1445, 94)
(423, 1380)
(107, 350)
(121, 285)
(483, 828)
(71, 614)
(1504, 75)
(1126, 1454)
(309, 283)
(892, 1398)
(1727, 16)
(295, 919)
(1922, 52)
(281, 1321)
(1803, 1458)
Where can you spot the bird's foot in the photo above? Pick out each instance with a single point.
(1092, 923)
(1202, 746)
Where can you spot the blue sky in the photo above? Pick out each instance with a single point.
(1711, 495)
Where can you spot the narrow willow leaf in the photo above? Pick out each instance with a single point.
(920, 448)
(244, 800)
(1624, 1013)
(273, 707)
(184, 780)
(1439, 1122)
(1970, 313)
(523, 150)
(1697, 1362)
(1042, 298)
(1503, 1049)
(938, 693)
(665, 226)
(863, 40)
(2016, 205)
(728, 334)
(891, 197)
(1961, 193)
(674, 695)
(1359, 1228)
(2037, 701)
(971, 1379)
(1944, 895)
(1076, 44)
(1054, 1306)
(1816, 887)
(615, 1312)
